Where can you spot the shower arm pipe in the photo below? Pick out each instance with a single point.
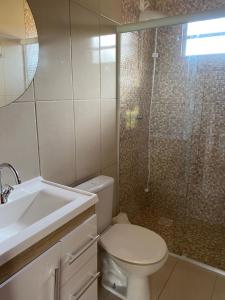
(144, 4)
(169, 21)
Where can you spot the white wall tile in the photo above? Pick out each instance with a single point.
(112, 172)
(53, 90)
(112, 9)
(87, 124)
(53, 80)
(85, 53)
(108, 59)
(28, 94)
(90, 4)
(56, 140)
(18, 138)
(108, 132)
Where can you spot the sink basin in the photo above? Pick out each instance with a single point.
(17, 215)
(35, 209)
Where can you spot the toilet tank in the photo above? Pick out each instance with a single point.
(103, 187)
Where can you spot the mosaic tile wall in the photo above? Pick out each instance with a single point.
(169, 7)
(186, 202)
(30, 28)
(183, 7)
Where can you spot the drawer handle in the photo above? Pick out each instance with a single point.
(56, 283)
(78, 295)
(73, 257)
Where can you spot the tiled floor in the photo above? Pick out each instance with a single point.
(181, 280)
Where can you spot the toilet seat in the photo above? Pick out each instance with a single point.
(134, 244)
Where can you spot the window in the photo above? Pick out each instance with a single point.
(206, 37)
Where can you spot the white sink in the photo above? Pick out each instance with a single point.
(35, 209)
(17, 215)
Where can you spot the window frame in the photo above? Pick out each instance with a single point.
(199, 36)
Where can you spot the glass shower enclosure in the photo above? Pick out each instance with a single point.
(172, 135)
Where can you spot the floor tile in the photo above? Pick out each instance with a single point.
(189, 282)
(159, 279)
(219, 291)
(105, 295)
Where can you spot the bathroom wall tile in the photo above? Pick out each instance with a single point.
(87, 126)
(19, 139)
(90, 4)
(56, 140)
(108, 58)
(28, 94)
(187, 6)
(53, 80)
(108, 132)
(85, 53)
(130, 11)
(219, 290)
(199, 233)
(112, 9)
(112, 172)
(189, 282)
(168, 120)
(205, 205)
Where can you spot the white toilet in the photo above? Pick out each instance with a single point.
(132, 253)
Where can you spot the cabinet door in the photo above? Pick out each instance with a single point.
(37, 281)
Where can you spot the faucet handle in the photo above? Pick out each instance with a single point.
(6, 192)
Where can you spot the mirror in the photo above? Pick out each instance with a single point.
(19, 49)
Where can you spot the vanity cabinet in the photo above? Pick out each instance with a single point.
(36, 281)
(79, 262)
(67, 271)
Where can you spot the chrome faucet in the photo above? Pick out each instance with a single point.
(5, 190)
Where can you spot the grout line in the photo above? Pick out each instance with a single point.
(35, 108)
(95, 12)
(100, 31)
(73, 91)
(38, 137)
(214, 288)
(118, 117)
(165, 285)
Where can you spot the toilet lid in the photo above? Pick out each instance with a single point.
(134, 244)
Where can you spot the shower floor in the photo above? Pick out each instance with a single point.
(199, 241)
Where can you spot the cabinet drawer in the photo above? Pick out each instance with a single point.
(84, 284)
(77, 248)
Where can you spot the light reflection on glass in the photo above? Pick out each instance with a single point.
(206, 27)
(204, 46)
(206, 37)
(107, 46)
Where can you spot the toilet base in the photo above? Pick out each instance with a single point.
(114, 279)
(121, 294)
(128, 281)
(122, 285)
(138, 288)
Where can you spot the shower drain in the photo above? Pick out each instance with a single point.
(165, 222)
